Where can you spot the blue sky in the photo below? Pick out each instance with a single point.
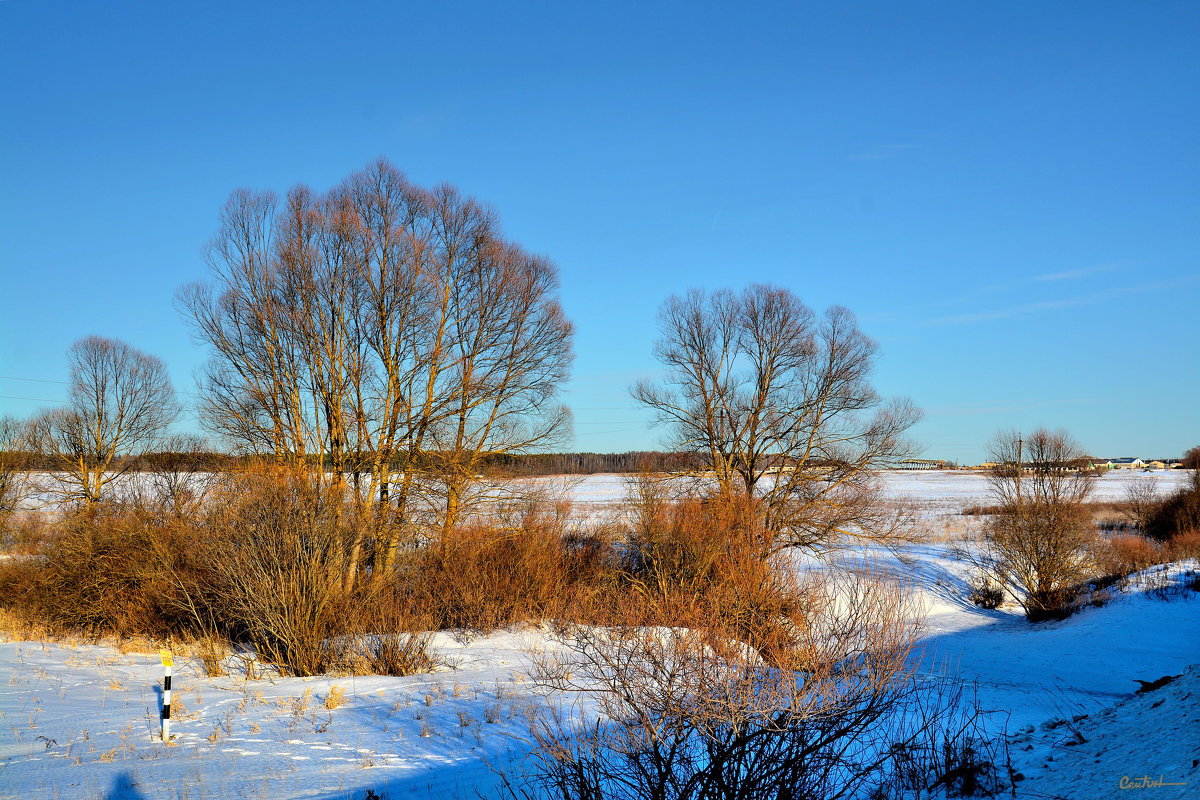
(1007, 194)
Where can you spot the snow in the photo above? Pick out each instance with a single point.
(1150, 741)
(81, 720)
(595, 496)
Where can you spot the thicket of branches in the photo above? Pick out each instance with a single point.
(726, 676)
(1177, 514)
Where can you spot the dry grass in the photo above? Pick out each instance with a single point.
(212, 651)
(335, 698)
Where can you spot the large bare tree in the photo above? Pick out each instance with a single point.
(386, 331)
(780, 404)
(120, 403)
(508, 351)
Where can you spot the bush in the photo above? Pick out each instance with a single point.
(1125, 553)
(397, 654)
(106, 573)
(1178, 513)
(276, 557)
(680, 716)
(712, 553)
(264, 564)
(1046, 550)
(26, 533)
(1184, 545)
(952, 748)
(683, 545)
(986, 594)
(485, 578)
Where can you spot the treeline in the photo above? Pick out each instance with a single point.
(517, 465)
(493, 464)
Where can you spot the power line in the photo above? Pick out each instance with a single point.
(64, 383)
(37, 380)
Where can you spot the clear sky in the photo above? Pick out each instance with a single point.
(1007, 194)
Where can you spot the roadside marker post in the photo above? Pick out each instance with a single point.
(168, 664)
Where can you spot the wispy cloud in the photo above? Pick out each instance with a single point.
(991, 408)
(1041, 306)
(881, 152)
(1075, 274)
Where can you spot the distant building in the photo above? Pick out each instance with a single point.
(921, 463)
(1125, 463)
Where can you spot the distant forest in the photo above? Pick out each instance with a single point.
(500, 464)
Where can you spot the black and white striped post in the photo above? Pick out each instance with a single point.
(168, 663)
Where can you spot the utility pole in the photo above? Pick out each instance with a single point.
(1020, 446)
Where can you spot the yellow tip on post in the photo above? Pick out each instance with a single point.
(167, 659)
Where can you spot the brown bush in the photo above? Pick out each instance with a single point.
(275, 556)
(985, 593)
(1184, 545)
(484, 578)
(687, 558)
(266, 560)
(109, 572)
(262, 565)
(1178, 513)
(684, 545)
(22, 597)
(391, 654)
(1124, 553)
(1043, 549)
(25, 533)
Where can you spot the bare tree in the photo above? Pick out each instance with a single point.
(781, 405)
(386, 332)
(120, 403)
(509, 350)
(250, 389)
(178, 475)
(1040, 543)
(1142, 502)
(14, 465)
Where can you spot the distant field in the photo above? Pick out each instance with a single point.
(943, 490)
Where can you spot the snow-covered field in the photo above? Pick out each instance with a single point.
(81, 721)
(940, 490)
